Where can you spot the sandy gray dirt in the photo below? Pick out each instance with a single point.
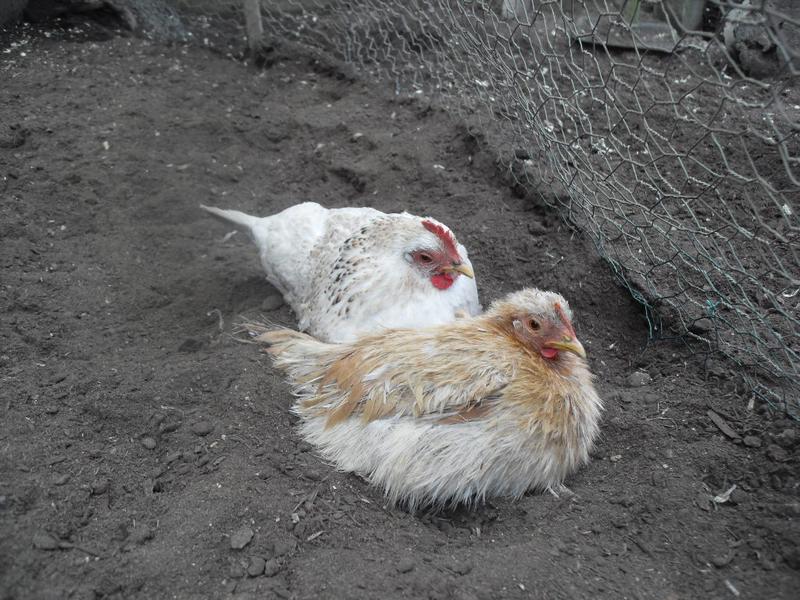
(146, 453)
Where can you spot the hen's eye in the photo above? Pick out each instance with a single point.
(425, 258)
(534, 324)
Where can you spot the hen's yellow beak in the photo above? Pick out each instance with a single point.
(567, 344)
(462, 268)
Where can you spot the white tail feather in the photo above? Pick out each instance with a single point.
(236, 217)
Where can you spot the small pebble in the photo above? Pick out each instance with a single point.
(776, 453)
(444, 526)
(721, 561)
(100, 486)
(44, 541)
(619, 521)
(148, 443)
(169, 427)
(61, 479)
(256, 566)
(537, 228)
(313, 474)
(789, 509)
(241, 538)
(272, 302)
(792, 557)
(625, 500)
(703, 501)
(701, 326)
(202, 428)
(739, 496)
(658, 478)
(521, 154)
(752, 441)
(462, 568)
(280, 548)
(405, 565)
(172, 457)
(51, 410)
(237, 571)
(766, 563)
(141, 534)
(190, 345)
(271, 568)
(638, 379)
(230, 586)
(787, 438)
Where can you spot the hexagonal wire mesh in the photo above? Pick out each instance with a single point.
(675, 150)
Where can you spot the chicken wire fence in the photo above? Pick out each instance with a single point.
(667, 133)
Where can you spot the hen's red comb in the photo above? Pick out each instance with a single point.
(445, 236)
(564, 319)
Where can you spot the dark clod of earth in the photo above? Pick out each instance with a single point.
(256, 566)
(241, 538)
(271, 568)
(202, 428)
(148, 453)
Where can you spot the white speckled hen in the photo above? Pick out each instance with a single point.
(493, 405)
(350, 271)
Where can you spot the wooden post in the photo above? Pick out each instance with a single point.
(252, 17)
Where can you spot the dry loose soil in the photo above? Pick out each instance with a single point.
(147, 452)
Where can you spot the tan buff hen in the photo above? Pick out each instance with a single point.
(493, 405)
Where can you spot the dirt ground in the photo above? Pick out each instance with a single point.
(145, 452)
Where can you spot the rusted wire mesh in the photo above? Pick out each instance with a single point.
(670, 139)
